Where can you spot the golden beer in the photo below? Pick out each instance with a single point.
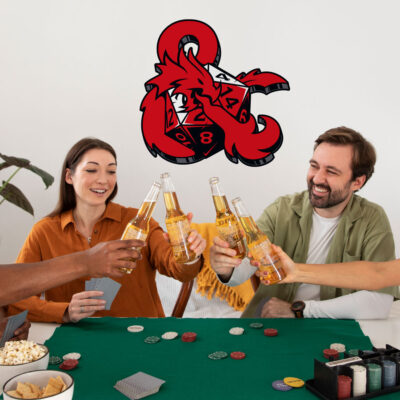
(260, 247)
(226, 222)
(177, 224)
(138, 226)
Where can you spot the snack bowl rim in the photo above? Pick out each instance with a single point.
(71, 385)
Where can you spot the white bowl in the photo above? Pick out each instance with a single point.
(8, 371)
(41, 378)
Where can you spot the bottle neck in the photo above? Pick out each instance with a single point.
(145, 212)
(220, 202)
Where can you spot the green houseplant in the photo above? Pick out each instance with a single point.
(10, 192)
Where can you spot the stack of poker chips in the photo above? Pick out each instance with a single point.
(359, 380)
(344, 387)
(374, 377)
(389, 373)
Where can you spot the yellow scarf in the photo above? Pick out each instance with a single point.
(207, 282)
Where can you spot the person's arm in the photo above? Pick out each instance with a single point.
(18, 281)
(357, 305)
(352, 275)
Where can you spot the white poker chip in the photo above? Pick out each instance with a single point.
(339, 347)
(71, 356)
(236, 331)
(135, 328)
(169, 335)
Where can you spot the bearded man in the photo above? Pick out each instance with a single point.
(326, 224)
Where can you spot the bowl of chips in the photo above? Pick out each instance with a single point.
(17, 357)
(39, 385)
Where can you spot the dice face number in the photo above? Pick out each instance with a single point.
(206, 137)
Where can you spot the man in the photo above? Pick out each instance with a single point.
(18, 281)
(326, 224)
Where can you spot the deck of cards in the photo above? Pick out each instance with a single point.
(106, 285)
(13, 323)
(139, 385)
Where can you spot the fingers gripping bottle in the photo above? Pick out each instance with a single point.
(177, 223)
(259, 246)
(226, 221)
(138, 226)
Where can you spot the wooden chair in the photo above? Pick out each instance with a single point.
(255, 282)
(182, 300)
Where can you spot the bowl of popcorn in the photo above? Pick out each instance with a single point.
(39, 385)
(21, 356)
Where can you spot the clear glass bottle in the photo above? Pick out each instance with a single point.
(226, 221)
(138, 226)
(259, 246)
(177, 223)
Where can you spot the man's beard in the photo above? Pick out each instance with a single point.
(333, 199)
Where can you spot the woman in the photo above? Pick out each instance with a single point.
(85, 216)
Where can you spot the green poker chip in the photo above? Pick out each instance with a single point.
(256, 325)
(218, 355)
(54, 360)
(152, 339)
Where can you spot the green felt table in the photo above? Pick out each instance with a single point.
(110, 353)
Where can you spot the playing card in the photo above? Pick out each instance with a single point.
(110, 289)
(139, 385)
(13, 324)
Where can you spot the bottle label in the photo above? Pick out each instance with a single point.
(131, 232)
(228, 230)
(261, 252)
(178, 230)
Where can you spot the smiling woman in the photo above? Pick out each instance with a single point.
(85, 216)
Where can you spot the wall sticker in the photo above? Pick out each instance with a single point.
(193, 108)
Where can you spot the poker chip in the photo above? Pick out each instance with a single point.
(169, 335)
(189, 337)
(152, 339)
(341, 348)
(135, 328)
(54, 360)
(331, 354)
(281, 386)
(236, 331)
(293, 382)
(270, 332)
(71, 356)
(218, 355)
(256, 325)
(69, 364)
(238, 355)
(344, 387)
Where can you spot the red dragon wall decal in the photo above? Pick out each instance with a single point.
(193, 109)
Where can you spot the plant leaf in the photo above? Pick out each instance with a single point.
(12, 194)
(46, 177)
(4, 165)
(18, 162)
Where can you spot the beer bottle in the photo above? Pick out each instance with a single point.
(138, 226)
(177, 224)
(226, 222)
(259, 246)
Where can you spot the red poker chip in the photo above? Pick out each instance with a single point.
(69, 364)
(238, 355)
(189, 337)
(270, 332)
(331, 354)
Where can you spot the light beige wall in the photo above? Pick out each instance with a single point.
(70, 69)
